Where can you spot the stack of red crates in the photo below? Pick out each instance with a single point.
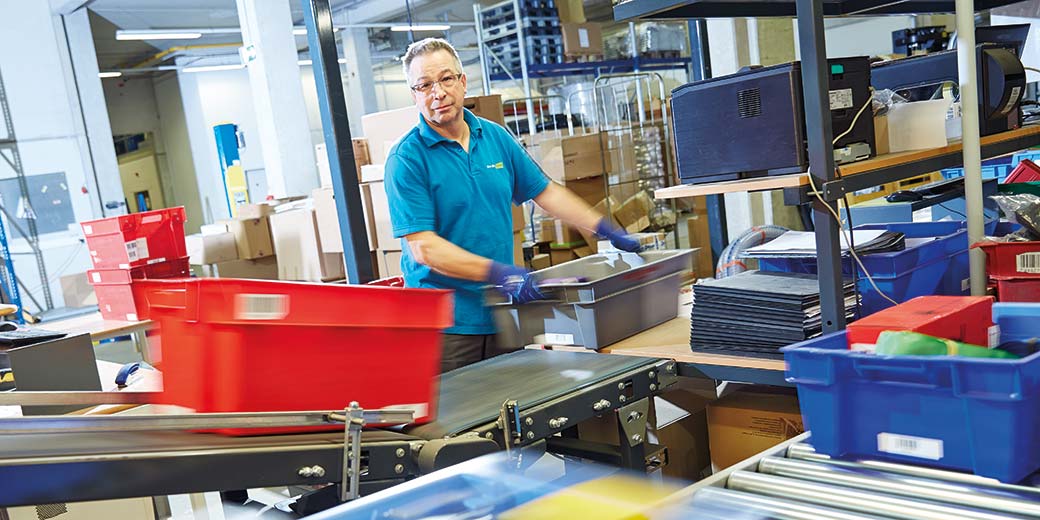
(1014, 268)
(138, 246)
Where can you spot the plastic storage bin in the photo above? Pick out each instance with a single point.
(114, 294)
(247, 345)
(1018, 289)
(136, 239)
(1012, 259)
(980, 415)
(997, 168)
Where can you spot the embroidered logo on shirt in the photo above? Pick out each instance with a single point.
(496, 166)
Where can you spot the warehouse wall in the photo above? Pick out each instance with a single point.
(1031, 54)
(183, 185)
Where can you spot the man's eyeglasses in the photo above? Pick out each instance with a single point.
(446, 82)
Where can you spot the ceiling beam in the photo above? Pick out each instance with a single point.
(67, 7)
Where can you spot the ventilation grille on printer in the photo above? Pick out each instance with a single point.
(749, 103)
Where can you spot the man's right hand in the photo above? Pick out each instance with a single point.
(515, 282)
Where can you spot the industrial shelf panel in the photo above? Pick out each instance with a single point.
(549, 70)
(673, 9)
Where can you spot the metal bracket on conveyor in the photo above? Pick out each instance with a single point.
(512, 430)
(353, 419)
(633, 420)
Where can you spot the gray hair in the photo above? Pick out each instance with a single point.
(428, 46)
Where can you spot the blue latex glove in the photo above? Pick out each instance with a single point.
(515, 282)
(617, 237)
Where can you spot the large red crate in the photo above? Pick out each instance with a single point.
(1018, 289)
(136, 239)
(235, 345)
(1012, 259)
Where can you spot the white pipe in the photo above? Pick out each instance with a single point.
(966, 72)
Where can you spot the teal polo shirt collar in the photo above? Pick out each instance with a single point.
(430, 136)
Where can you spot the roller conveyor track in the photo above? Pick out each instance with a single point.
(792, 482)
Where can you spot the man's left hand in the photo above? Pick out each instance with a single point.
(617, 237)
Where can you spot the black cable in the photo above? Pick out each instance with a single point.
(943, 206)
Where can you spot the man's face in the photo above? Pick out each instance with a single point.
(439, 104)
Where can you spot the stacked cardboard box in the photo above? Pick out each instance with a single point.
(582, 39)
(300, 252)
(238, 248)
(744, 423)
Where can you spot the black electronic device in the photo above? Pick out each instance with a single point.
(752, 123)
(1008, 36)
(1001, 82)
(904, 196)
(918, 40)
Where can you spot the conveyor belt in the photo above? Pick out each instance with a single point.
(473, 395)
(39, 469)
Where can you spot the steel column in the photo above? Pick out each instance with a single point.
(815, 91)
(336, 128)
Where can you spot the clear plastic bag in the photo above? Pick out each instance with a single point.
(1024, 209)
(883, 99)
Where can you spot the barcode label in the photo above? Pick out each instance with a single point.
(583, 38)
(559, 339)
(142, 248)
(1028, 263)
(131, 251)
(920, 447)
(261, 306)
(1012, 100)
(994, 336)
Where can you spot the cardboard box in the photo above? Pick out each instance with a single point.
(744, 424)
(571, 157)
(383, 129)
(389, 262)
(298, 248)
(634, 214)
(518, 218)
(77, 291)
(583, 251)
(518, 248)
(488, 107)
(582, 39)
(258, 210)
(328, 218)
(211, 249)
(372, 173)
(546, 230)
(590, 237)
(260, 269)
(252, 237)
(362, 156)
(540, 261)
(571, 11)
(559, 256)
(592, 189)
(648, 241)
(565, 234)
(380, 214)
(700, 238)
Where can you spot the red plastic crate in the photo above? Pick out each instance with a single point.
(137, 239)
(1018, 289)
(254, 345)
(116, 302)
(178, 268)
(1012, 259)
(960, 318)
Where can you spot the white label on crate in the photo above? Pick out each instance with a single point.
(131, 317)
(559, 339)
(96, 277)
(142, 248)
(863, 347)
(994, 336)
(419, 409)
(1028, 263)
(841, 99)
(88, 230)
(151, 218)
(131, 251)
(159, 260)
(965, 284)
(920, 447)
(1013, 100)
(583, 39)
(261, 306)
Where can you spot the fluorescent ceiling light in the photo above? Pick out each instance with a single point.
(114, 74)
(311, 62)
(157, 35)
(209, 68)
(300, 31)
(419, 27)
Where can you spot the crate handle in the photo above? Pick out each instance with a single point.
(168, 298)
(864, 368)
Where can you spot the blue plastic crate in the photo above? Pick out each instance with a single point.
(1032, 155)
(998, 168)
(979, 415)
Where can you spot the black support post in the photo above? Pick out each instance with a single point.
(332, 103)
(815, 88)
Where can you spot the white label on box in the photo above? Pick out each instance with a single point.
(920, 447)
(142, 248)
(88, 230)
(131, 251)
(994, 336)
(1012, 101)
(261, 306)
(841, 99)
(583, 38)
(96, 277)
(131, 316)
(559, 339)
(1028, 263)
(965, 284)
(152, 218)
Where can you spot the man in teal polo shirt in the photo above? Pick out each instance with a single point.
(451, 181)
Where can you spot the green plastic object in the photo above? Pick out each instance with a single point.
(1018, 188)
(907, 343)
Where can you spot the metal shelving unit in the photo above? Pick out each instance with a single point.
(811, 42)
